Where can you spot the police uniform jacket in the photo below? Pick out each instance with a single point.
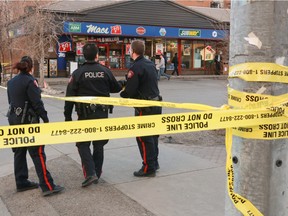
(142, 80)
(91, 79)
(24, 87)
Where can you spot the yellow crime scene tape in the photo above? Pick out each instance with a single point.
(241, 203)
(65, 132)
(256, 116)
(257, 72)
(127, 102)
(243, 100)
(260, 72)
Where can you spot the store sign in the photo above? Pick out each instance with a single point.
(96, 29)
(116, 30)
(109, 29)
(162, 32)
(189, 33)
(103, 39)
(140, 30)
(65, 47)
(74, 27)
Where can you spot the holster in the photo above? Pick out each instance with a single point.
(32, 116)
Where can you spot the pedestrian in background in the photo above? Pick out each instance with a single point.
(142, 84)
(175, 63)
(218, 60)
(91, 79)
(25, 107)
(165, 58)
(161, 68)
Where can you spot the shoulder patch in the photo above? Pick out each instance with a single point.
(130, 74)
(36, 83)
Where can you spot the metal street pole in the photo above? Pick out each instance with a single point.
(259, 175)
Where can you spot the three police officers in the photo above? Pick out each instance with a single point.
(142, 84)
(26, 106)
(91, 79)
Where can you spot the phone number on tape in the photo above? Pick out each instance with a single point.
(75, 131)
(238, 117)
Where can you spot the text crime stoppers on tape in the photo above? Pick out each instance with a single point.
(67, 132)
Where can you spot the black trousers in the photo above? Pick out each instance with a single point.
(175, 70)
(38, 156)
(148, 145)
(218, 68)
(92, 163)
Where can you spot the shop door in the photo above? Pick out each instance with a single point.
(52, 66)
(103, 54)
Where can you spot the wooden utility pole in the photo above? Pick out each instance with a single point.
(259, 33)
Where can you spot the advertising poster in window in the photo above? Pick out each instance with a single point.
(53, 67)
(127, 50)
(187, 50)
(79, 48)
(159, 48)
(45, 68)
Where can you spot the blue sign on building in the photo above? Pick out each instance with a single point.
(141, 31)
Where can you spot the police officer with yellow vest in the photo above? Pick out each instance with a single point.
(91, 79)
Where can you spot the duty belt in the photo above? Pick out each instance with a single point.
(157, 98)
(94, 107)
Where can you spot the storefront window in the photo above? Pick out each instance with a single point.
(171, 49)
(186, 47)
(198, 46)
(53, 67)
(103, 53)
(208, 55)
(115, 56)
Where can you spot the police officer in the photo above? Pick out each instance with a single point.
(91, 79)
(142, 84)
(26, 106)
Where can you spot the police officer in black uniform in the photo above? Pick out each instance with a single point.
(26, 106)
(142, 84)
(91, 79)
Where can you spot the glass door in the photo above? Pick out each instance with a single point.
(52, 68)
(103, 54)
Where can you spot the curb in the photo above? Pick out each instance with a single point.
(64, 80)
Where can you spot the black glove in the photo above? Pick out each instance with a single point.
(122, 83)
(68, 118)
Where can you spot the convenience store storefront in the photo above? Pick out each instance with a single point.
(196, 47)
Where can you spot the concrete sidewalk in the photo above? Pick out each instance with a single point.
(186, 184)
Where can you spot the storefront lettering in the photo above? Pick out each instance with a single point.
(61, 55)
(189, 33)
(98, 30)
